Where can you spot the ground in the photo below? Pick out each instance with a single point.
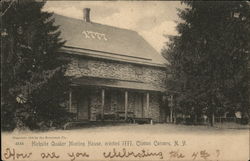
(194, 142)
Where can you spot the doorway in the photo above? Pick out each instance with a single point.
(139, 105)
(83, 105)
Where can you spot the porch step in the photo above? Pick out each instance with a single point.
(142, 120)
(88, 124)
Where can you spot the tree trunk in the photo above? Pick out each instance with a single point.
(212, 109)
(212, 119)
(20, 117)
(195, 119)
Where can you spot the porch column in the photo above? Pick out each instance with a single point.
(171, 115)
(171, 108)
(103, 98)
(70, 100)
(147, 104)
(126, 105)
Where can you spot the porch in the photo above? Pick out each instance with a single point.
(93, 101)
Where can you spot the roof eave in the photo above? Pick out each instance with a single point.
(109, 56)
(115, 83)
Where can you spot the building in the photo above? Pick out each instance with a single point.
(115, 74)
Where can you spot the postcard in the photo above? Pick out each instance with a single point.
(125, 80)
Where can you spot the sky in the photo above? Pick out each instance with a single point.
(151, 19)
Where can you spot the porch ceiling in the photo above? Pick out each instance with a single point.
(115, 83)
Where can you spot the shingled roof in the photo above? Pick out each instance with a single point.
(103, 41)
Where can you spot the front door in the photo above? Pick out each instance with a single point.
(139, 105)
(83, 106)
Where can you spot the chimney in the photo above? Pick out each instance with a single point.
(86, 16)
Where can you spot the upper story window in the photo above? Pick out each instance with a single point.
(139, 70)
(83, 63)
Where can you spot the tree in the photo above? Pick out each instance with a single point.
(208, 59)
(33, 84)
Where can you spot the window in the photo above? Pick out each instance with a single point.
(107, 102)
(138, 70)
(121, 100)
(83, 63)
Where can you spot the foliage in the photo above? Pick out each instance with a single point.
(33, 83)
(209, 57)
